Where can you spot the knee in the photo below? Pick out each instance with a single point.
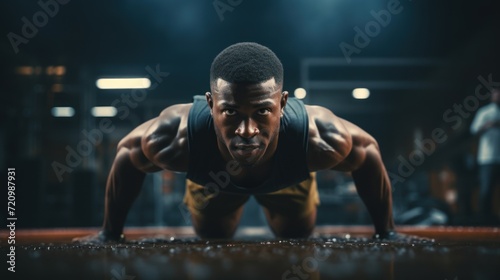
(285, 227)
(293, 232)
(214, 232)
(216, 228)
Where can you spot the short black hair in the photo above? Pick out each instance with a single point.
(246, 62)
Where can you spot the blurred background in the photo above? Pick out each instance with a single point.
(411, 73)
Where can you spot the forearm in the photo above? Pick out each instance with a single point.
(374, 188)
(485, 127)
(482, 129)
(122, 188)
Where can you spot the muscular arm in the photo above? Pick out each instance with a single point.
(329, 140)
(156, 144)
(353, 150)
(485, 127)
(371, 178)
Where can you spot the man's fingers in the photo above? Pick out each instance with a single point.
(90, 239)
(400, 237)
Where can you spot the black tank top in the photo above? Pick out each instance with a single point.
(207, 168)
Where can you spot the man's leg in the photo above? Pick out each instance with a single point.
(214, 215)
(496, 191)
(291, 212)
(486, 191)
(489, 180)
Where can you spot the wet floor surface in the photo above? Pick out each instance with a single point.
(323, 256)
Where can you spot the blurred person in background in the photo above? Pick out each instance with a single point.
(486, 125)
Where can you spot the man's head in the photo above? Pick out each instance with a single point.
(246, 63)
(246, 102)
(495, 96)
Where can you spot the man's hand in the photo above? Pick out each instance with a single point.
(400, 237)
(99, 238)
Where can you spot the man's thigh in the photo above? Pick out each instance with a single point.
(496, 172)
(202, 203)
(296, 202)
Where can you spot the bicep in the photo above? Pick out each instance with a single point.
(361, 141)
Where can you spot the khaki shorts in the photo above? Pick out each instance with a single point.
(296, 201)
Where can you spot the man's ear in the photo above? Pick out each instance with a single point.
(284, 99)
(210, 101)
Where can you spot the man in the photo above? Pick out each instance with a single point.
(247, 137)
(486, 125)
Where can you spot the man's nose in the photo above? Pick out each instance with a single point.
(247, 128)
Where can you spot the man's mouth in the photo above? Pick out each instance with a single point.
(246, 147)
(246, 150)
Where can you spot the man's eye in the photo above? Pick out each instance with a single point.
(229, 112)
(264, 111)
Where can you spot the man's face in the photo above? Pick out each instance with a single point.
(247, 119)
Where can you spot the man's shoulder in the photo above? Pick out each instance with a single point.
(487, 110)
(319, 115)
(327, 136)
(164, 141)
(176, 110)
(172, 119)
(175, 113)
(317, 111)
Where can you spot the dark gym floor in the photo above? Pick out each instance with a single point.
(331, 253)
